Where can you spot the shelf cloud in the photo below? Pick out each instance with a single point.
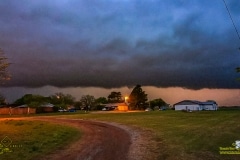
(109, 44)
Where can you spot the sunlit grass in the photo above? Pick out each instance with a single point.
(33, 138)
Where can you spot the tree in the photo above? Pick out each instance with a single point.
(238, 70)
(115, 97)
(88, 101)
(4, 75)
(2, 100)
(157, 102)
(31, 100)
(137, 98)
(101, 100)
(99, 103)
(62, 100)
(77, 105)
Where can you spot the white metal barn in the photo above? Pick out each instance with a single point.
(192, 105)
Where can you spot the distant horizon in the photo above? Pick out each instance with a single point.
(172, 95)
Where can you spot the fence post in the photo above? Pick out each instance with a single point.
(10, 111)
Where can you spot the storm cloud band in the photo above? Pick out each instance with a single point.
(189, 44)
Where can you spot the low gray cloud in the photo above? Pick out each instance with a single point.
(120, 43)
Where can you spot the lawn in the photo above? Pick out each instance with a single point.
(181, 135)
(28, 139)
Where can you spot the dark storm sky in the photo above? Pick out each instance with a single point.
(116, 43)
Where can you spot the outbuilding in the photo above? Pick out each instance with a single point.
(192, 105)
(47, 107)
(117, 106)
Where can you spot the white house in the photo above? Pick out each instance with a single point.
(196, 105)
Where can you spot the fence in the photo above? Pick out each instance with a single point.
(11, 111)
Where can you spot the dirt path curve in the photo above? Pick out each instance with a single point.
(100, 141)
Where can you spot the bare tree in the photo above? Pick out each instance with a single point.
(4, 75)
(88, 101)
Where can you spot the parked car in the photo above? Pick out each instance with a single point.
(108, 108)
(72, 110)
(148, 109)
(62, 110)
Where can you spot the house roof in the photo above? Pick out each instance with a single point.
(22, 106)
(189, 102)
(115, 104)
(47, 105)
(209, 103)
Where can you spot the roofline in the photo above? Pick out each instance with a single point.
(196, 102)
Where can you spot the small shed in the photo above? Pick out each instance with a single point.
(47, 107)
(117, 106)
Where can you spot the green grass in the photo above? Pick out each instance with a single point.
(40, 114)
(33, 138)
(178, 135)
(183, 135)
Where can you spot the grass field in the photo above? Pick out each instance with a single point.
(179, 135)
(26, 140)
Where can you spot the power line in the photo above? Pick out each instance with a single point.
(232, 19)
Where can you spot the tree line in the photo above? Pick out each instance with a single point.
(137, 100)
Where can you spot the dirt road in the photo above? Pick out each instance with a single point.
(100, 141)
